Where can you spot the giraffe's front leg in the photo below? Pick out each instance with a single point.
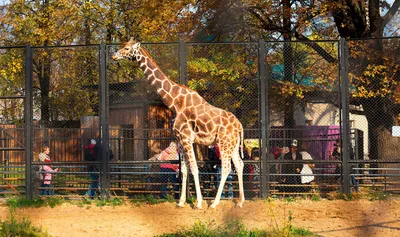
(189, 152)
(184, 172)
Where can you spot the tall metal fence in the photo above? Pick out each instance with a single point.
(319, 117)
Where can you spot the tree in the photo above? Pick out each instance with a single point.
(363, 20)
(52, 23)
(305, 20)
(40, 23)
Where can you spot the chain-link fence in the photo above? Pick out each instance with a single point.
(317, 116)
(374, 110)
(12, 134)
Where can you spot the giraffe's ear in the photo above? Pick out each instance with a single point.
(132, 40)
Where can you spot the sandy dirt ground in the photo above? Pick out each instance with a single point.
(324, 218)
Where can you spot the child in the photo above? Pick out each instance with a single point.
(46, 186)
(255, 170)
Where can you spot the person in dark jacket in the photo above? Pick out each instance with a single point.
(92, 153)
(288, 169)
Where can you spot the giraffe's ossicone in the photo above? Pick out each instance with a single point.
(196, 122)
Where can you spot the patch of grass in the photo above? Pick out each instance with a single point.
(117, 202)
(23, 228)
(109, 202)
(282, 228)
(101, 203)
(378, 196)
(272, 198)
(233, 228)
(315, 198)
(84, 202)
(191, 200)
(87, 201)
(300, 232)
(346, 197)
(149, 199)
(21, 202)
(170, 198)
(52, 202)
(289, 199)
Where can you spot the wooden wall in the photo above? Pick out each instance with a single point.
(12, 136)
(136, 133)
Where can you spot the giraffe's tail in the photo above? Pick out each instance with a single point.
(241, 142)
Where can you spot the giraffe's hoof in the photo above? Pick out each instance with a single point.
(180, 205)
(240, 204)
(214, 205)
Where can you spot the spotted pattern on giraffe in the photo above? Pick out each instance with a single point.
(196, 121)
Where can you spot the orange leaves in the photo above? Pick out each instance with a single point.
(376, 80)
(290, 88)
(374, 69)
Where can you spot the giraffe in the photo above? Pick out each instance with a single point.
(196, 121)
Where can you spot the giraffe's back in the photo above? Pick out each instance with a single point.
(210, 124)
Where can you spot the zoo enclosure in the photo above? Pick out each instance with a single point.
(280, 91)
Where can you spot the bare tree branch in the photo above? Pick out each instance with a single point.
(266, 24)
(317, 48)
(389, 15)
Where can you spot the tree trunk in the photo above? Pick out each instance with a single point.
(382, 146)
(44, 82)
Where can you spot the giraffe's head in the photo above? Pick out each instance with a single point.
(129, 50)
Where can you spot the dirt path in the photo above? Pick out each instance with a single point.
(324, 218)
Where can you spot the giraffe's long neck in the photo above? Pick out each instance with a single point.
(166, 88)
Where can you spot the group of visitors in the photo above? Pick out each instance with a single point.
(298, 177)
(295, 176)
(92, 153)
(170, 170)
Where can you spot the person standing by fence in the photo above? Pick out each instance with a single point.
(255, 171)
(291, 172)
(306, 172)
(92, 153)
(229, 179)
(336, 155)
(169, 171)
(46, 171)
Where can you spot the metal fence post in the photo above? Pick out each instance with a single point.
(183, 80)
(263, 119)
(104, 121)
(28, 111)
(344, 97)
(182, 63)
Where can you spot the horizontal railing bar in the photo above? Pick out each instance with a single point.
(12, 149)
(12, 97)
(376, 169)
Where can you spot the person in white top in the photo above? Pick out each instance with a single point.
(306, 172)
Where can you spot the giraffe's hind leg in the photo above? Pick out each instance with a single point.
(237, 161)
(226, 169)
